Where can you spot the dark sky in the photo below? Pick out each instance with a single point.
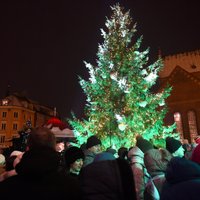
(43, 43)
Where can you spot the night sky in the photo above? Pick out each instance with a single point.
(43, 43)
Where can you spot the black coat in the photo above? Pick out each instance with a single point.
(182, 180)
(38, 178)
(107, 180)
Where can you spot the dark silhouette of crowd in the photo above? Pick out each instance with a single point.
(48, 169)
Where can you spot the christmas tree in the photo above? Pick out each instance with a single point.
(120, 105)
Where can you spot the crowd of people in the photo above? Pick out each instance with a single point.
(47, 169)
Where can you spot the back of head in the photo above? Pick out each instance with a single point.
(122, 152)
(41, 137)
(143, 144)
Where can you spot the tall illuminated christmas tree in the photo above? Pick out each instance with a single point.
(120, 104)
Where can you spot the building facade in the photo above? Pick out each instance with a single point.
(15, 111)
(182, 72)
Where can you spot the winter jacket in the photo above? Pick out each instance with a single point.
(89, 158)
(153, 187)
(156, 161)
(182, 180)
(141, 176)
(38, 179)
(109, 179)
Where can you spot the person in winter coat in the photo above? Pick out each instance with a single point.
(175, 147)
(156, 161)
(93, 147)
(107, 178)
(74, 157)
(37, 172)
(136, 159)
(182, 180)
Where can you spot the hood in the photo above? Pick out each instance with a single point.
(38, 163)
(154, 162)
(181, 169)
(135, 155)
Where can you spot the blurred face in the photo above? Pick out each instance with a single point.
(96, 149)
(60, 146)
(179, 152)
(76, 166)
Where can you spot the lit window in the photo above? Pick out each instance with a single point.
(179, 125)
(192, 125)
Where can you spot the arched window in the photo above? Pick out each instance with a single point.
(192, 124)
(179, 125)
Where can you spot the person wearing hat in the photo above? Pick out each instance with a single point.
(143, 144)
(136, 161)
(93, 147)
(37, 172)
(74, 160)
(122, 153)
(174, 147)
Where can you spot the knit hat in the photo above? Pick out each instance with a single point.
(92, 141)
(196, 154)
(104, 156)
(72, 154)
(172, 144)
(143, 144)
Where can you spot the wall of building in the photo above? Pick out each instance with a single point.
(14, 114)
(182, 73)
